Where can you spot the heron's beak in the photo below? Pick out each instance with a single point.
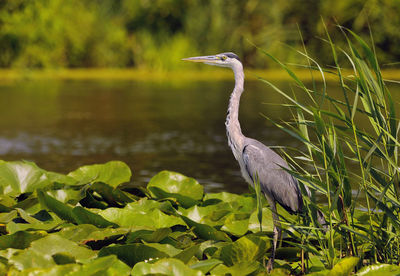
(204, 59)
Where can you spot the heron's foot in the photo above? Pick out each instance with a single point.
(270, 265)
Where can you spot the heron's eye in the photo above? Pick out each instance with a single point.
(223, 58)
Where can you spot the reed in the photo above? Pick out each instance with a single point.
(352, 170)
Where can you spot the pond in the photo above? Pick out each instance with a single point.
(152, 126)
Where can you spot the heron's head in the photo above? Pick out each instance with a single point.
(223, 60)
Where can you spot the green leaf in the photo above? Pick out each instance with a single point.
(109, 265)
(168, 184)
(267, 221)
(148, 235)
(7, 217)
(379, 270)
(205, 231)
(112, 173)
(56, 270)
(33, 223)
(170, 267)
(62, 210)
(166, 248)
(235, 226)
(188, 253)
(66, 195)
(83, 216)
(239, 269)
(111, 195)
(150, 219)
(211, 214)
(20, 239)
(344, 267)
(248, 248)
(133, 253)
(89, 232)
(40, 253)
(206, 265)
(21, 177)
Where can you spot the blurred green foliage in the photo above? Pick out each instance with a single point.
(156, 34)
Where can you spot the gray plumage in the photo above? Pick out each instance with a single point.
(256, 159)
(261, 161)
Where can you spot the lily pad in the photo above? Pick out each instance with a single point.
(133, 253)
(168, 267)
(21, 177)
(248, 248)
(109, 265)
(205, 231)
(112, 173)
(89, 232)
(186, 190)
(206, 265)
(40, 253)
(239, 269)
(148, 235)
(235, 226)
(344, 267)
(20, 240)
(267, 221)
(153, 219)
(379, 270)
(84, 216)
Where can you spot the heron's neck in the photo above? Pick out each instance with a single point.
(233, 130)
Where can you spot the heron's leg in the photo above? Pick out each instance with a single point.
(277, 232)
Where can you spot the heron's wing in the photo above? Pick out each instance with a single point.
(275, 182)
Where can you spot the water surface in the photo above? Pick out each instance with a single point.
(152, 126)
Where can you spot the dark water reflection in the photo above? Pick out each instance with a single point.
(151, 126)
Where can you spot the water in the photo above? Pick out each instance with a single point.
(152, 126)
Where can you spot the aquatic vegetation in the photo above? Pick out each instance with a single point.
(353, 170)
(92, 221)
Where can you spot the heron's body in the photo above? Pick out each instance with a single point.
(255, 159)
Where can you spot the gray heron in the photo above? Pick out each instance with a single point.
(255, 159)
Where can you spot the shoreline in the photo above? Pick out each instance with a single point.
(174, 75)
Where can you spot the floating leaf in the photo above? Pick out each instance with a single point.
(21, 177)
(267, 221)
(205, 231)
(166, 248)
(56, 270)
(133, 253)
(239, 269)
(89, 232)
(83, 216)
(20, 240)
(344, 267)
(235, 226)
(149, 235)
(110, 194)
(40, 253)
(379, 270)
(66, 195)
(109, 265)
(169, 267)
(153, 219)
(212, 214)
(112, 173)
(168, 184)
(206, 265)
(31, 223)
(247, 248)
(188, 253)
(62, 210)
